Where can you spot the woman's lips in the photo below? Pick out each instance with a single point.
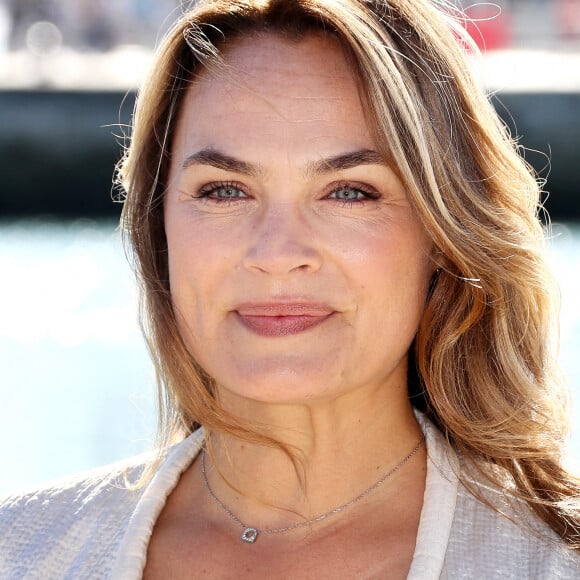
(273, 320)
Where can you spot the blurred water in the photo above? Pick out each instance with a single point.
(76, 386)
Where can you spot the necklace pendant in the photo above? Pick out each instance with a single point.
(249, 535)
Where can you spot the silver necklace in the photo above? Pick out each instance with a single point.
(250, 533)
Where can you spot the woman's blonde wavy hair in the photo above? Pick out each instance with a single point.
(482, 365)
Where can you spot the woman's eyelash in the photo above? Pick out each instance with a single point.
(349, 193)
(345, 193)
(222, 191)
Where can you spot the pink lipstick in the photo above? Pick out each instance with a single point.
(282, 319)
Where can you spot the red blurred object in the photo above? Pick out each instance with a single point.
(489, 26)
(569, 17)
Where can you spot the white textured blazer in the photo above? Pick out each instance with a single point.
(92, 526)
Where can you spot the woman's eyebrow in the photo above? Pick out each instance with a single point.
(345, 161)
(232, 164)
(223, 161)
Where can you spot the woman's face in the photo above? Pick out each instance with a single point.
(298, 268)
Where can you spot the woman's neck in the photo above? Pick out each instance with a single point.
(341, 449)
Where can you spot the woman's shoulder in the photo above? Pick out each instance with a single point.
(475, 529)
(79, 488)
(75, 527)
(495, 531)
(46, 527)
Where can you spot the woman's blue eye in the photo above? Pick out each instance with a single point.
(227, 193)
(348, 194)
(218, 192)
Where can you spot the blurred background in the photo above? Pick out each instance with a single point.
(76, 386)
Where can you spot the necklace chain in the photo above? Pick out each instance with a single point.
(250, 534)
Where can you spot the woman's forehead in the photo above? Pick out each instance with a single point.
(271, 65)
(276, 93)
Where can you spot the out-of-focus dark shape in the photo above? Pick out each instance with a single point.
(57, 151)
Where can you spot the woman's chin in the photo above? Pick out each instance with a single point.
(283, 385)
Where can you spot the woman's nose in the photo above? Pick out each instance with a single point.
(282, 243)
